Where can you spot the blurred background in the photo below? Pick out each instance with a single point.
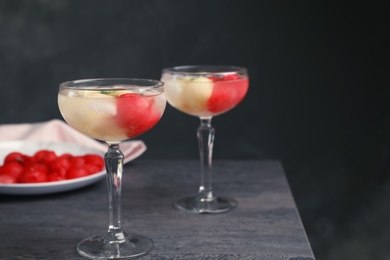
(318, 99)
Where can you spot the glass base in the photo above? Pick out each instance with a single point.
(195, 205)
(99, 247)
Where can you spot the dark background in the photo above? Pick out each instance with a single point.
(318, 98)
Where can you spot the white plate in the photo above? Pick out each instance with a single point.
(29, 148)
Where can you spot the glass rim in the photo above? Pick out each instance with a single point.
(205, 69)
(124, 83)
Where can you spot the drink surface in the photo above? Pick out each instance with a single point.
(111, 115)
(204, 96)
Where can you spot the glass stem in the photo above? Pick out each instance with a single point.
(205, 135)
(114, 166)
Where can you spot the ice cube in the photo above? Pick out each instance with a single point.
(104, 106)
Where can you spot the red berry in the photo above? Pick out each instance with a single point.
(59, 165)
(7, 179)
(77, 161)
(44, 156)
(67, 156)
(94, 159)
(74, 173)
(55, 176)
(34, 173)
(91, 168)
(14, 169)
(14, 157)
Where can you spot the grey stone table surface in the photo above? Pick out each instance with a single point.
(265, 225)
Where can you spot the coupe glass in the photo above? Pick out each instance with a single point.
(113, 110)
(204, 92)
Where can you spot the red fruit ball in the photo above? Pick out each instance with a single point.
(135, 113)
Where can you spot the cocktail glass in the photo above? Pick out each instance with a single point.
(113, 110)
(204, 92)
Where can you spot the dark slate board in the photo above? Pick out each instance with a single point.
(265, 225)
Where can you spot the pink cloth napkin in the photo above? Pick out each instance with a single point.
(58, 131)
